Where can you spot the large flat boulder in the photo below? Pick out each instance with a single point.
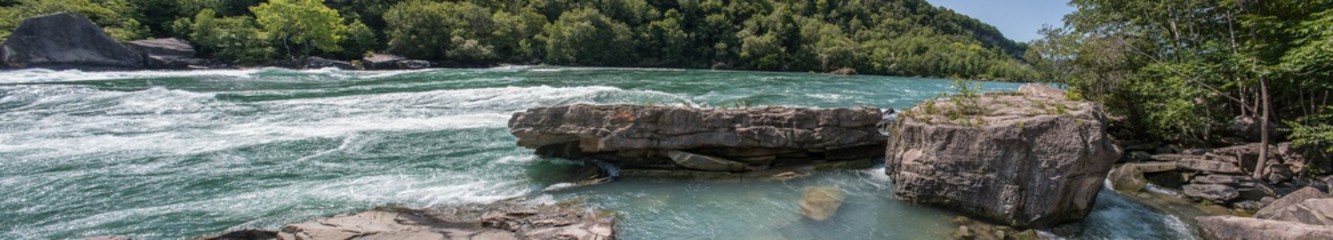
(166, 47)
(66, 40)
(705, 139)
(1232, 227)
(1027, 159)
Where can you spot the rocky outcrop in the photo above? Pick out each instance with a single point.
(1291, 199)
(698, 139)
(821, 203)
(392, 62)
(1311, 211)
(170, 47)
(1031, 159)
(66, 41)
(319, 62)
(491, 222)
(1231, 227)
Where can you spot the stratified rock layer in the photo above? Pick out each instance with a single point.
(1031, 159)
(700, 139)
(66, 41)
(1231, 227)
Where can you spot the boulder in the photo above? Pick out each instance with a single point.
(1232, 227)
(319, 62)
(66, 40)
(166, 47)
(498, 221)
(660, 137)
(245, 234)
(381, 61)
(1027, 160)
(1127, 178)
(1317, 211)
(821, 203)
(1290, 199)
(1212, 192)
(1210, 165)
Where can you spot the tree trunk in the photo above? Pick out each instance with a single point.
(1263, 130)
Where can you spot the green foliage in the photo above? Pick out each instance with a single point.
(235, 38)
(433, 30)
(117, 17)
(301, 24)
(966, 102)
(585, 36)
(1314, 131)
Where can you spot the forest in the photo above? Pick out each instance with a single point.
(1190, 71)
(889, 37)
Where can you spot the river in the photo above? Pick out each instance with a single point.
(175, 155)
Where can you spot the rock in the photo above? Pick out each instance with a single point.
(167, 62)
(1032, 160)
(1232, 227)
(1213, 192)
(1170, 157)
(1247, 205)
(247, 234)
(109, 238)
(413, 64)
(1139, 156)
(1290, 199)
(1317, 211)
(821, 203)
(1127, 178)
(1246, 127)
(1210, 165)
(381, 61)
(1040, 90)
(706, 163)
(167, 47)
(496, 221)
(67, 40)
(319, 62)
(631, 136)
(844, 71)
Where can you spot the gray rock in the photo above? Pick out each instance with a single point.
(1247, 205)
(319, 62)
(706, 163)
(1290, 199)
(246, 234)
(1139, 156)
(1023, 163)
(1170, 157)
(67, 40)
(381, 61)
(1127, 178)
(821, 203)
(1232, 227)
(412, 64)
(632, 136)
(1214, 192)
(1209, 165)
(501, 221)
(1317, 211)
(166, 47)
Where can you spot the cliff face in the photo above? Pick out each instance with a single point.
(1030, 159)
(717, 140)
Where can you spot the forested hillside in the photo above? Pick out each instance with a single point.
(893, 37)
(1192, 71)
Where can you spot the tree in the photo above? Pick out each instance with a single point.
(116, 17)
(301, 24)
(232, 38)
(427, 30)
(585, 36)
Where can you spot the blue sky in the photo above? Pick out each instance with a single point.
(1017, 19)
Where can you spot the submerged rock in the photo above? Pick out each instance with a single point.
(700, 139)
(1031, 159)
(67, 40)
(496, 221)
(821, 203)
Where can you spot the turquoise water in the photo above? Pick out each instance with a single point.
(172, 155)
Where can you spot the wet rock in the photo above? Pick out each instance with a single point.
(1212, 192)
(1290, 199)
(247, 234)
(67, 40)
(1127, 178)
(706, 163)
(381, 61)
(631, 136)
(1232, 227)
(1139, 156)
(496, 221)
(1031, 160)
(821, 203)
(109, 238)
(412, 64)
(319, 62)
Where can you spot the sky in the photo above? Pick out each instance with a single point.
(1017, 19)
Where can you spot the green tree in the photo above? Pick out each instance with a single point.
(301, 25)
(232, 38)
(427, 30)
(586, 37)
(116, 17)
